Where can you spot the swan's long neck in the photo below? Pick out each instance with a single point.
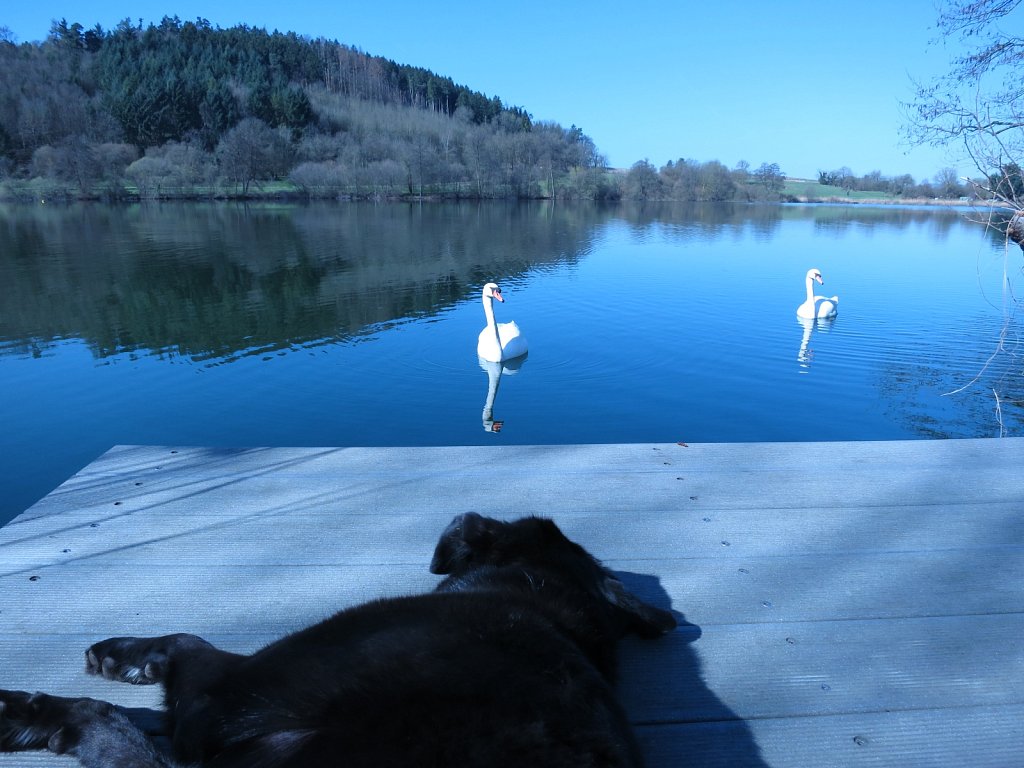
(810, 289)
(489, 310)
(489, 314)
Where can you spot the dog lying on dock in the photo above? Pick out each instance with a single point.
(508, 662)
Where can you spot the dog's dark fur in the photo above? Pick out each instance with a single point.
(507, 663)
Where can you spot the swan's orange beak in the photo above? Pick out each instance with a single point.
(496, 293)
(818, 278)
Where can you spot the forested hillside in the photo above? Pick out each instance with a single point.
(186, 108)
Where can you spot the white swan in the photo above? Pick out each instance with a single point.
(498, 341)
(817, 306)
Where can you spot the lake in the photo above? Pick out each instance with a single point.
(355, 324)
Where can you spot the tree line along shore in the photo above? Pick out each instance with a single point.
(186, 110)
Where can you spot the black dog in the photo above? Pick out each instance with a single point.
(507, 663)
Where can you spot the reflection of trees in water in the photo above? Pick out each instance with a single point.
(937, 221)
(708, 221)
(215, 280)
(763, 221)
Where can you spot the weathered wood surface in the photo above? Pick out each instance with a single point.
(848, 604)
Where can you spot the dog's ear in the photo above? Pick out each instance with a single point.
(465, 535)
(636, 615)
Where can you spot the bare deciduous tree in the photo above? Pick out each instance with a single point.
(253, 151)
(771, 177)
(978, 105)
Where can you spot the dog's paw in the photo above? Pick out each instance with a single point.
(20, 725)
(39, 721)
(135, 660)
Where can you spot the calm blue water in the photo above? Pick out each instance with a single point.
(356, 325)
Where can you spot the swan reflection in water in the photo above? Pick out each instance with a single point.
(806, 353)
(494, 373)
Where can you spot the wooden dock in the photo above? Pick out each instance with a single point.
(848, 604)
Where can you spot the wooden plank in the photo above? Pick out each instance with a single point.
(723, 672)
(632, 478)
(809, 458)
(989, 737)
(758, 671)
(842, 587)
(695, 531)
(982, 737)
(39, 760)
(714, 590)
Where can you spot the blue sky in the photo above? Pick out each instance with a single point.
(803, 83)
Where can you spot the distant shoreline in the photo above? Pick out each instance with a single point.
(22, 197)
(32, 193)
(924, 201)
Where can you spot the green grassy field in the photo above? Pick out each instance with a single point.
(814, 191)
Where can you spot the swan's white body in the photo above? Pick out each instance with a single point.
(817, 306)
(498, 341)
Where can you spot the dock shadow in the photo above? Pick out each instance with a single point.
(678, 719)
